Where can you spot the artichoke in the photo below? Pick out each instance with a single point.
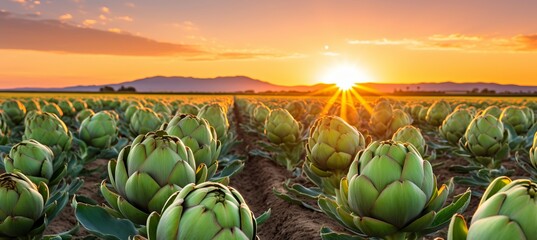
(260, 115)
(197, 134)
(455, 124)
(99, 130)
(147, 172)
(49, 130)
(67, 108)
(423, 115)
(282, 128)
(391, 192)
(32, 105)
(80, 116)
(330, 149)
(381, 118)
(516, 118)
(79, 105)
(15, 110)
(486, 140)
(399, 120)
(145, 120)
(492, 110)
(53, 108)
(36, 161)
(4, 128)
(297, 109)
(129, 112)
(507, 210)
(533, 152)
(216, 115)
(415, 111)
(22, 206)
(412, 135)
(438, 112)
(205, 211)
(189, 109)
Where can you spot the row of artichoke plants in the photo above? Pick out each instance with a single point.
(171, 176)
(387, 189)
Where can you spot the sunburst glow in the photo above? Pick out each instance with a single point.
(345, 76)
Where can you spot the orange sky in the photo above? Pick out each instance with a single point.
(46, 43)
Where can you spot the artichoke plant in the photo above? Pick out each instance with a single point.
(216, 115)
(399, 120)
(67, 108)
(297, 109)
(188, 109)
(4, 128)
(22, 207)
(533, 152)
(129, 112)
(517, 119)
(53, 108)
(381, 118)
(197, 134)
(422, 117)
(438, 112)
(205, 211)
(85, 113)
(147, 172)
(36, 161)
(145, 120)
(32, 105)
(15, 110)
(48, 129)
(330, 149)
(455, 124)
(281, 127)
(79, 105)
(486, 140)
(493, 110)
(507, 210)
(99, 130)
(260, 115)
(390, 192)
(412, 135)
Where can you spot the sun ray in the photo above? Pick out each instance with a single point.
(362, 101)
(331, 102)
(343, 105)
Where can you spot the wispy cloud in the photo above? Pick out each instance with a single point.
(105, 10)
(125, 18)
(462, 42)
(65, 17)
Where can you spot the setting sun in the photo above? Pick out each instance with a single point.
(345, 76)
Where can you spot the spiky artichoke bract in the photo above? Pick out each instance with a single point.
(99, 130)
(22, 207)
(412, 135)
(197, 134)
(455, 124)
(281, 127)
(48, 129)
(205, 211)
(507, 210)
(486, 139)
(36, 161)
(438, 112)
(145, 120)
(147, 172)
(330, 149)
(391, 191)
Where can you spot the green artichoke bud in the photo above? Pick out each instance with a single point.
(423, 115)
(391, 191)
(197, 134)
(147, 173)
(163, 109)
(4, 128)
(131, 110)
(22, 206)
(189, 109)
(79, 105)
(315, 109)
(282, 128)
(216, 115)
(53, 108)
(32, 105)
(85, 113)
(516, 118)
(330, 149)
(95, 104)
(455, 124)
(381, 118)
(67, 108)
(507, 211)
(529, 114)
(533, 152)
(99, 130)
(15, 110)
(36, 161)
(297, 109)
(493, 111)
(415, 111)
(437, 113)
(260, 114)
(412, 135)
(48, 129)
(205, 211)
(145, 120)
(486, 139)
(399, 120)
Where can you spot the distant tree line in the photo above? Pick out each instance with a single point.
(121, 89)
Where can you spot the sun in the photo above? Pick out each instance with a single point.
(345, 76)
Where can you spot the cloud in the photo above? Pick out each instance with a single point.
(114, 30)
(125, 18)
(186, 26)
(89, 22)
(105, 10)
(245, 54)
(56, 36)
(65, 17)
(462, 42)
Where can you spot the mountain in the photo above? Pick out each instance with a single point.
(242, 83)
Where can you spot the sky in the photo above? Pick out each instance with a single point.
(55, 43)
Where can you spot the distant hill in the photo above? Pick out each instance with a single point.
(242, 83)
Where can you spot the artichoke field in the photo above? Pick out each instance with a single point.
(136, 166)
